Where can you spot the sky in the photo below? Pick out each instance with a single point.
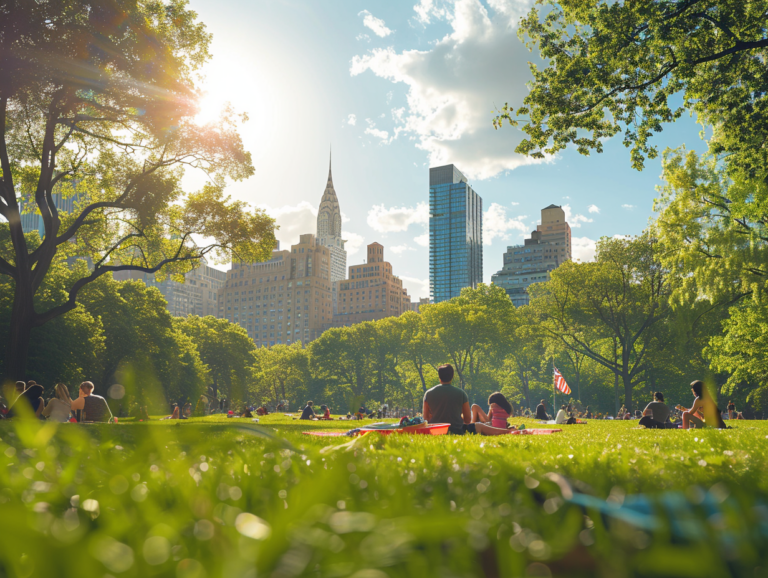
(394, 88)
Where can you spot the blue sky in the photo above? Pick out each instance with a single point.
(397, 87)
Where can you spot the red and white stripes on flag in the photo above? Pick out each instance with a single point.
(560, 384)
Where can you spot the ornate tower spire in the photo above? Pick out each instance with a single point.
(329, 213)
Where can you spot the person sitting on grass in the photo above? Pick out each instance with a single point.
(499, 410)
(59, 409)
(175, 414)
(445, 403)
(246, 413)
(31, 399)
(94, 407)
(326, 412)
(308, 412)
(703, 412)
(541, 411)
(731, 410)
(656, 413)
(561, 416)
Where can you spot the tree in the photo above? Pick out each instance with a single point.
(281, 366)
(623, 297)
(420, 347)
(226, 350)
(616, 66)
(96, 104)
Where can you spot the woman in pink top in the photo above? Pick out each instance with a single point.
(499, 409)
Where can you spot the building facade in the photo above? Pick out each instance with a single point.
(455, 234)
(371, 292)
(283, 300)
(548, 247)
(329, 233)
(197, 295)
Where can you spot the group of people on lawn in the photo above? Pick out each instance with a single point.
(27, 400)
(446, 403)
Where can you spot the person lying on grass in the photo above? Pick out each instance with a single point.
(703, 412)
(445, 403)
(499, 410)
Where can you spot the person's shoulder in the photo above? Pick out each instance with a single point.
(434, 387)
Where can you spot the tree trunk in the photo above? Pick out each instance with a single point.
(627, 392)
(616, 391)
(420, 369)
(17, 350)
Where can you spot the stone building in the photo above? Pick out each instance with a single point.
(371, 292)
(329, 232)
(548, 247)
(283, 300)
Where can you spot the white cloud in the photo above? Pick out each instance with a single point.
(373, 131)
(293, 220)
(628, 207)
(594, 209)
(454, 86)
(583, 249)
(497, 225)
(397, 219)
(377, 25)
(417, 288)
(397, 249)
(514, 204)
(352, 119)
(363, 37)
(423, 239)
(574, 220)
(353, 242)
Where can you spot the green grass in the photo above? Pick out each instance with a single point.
(222, 497)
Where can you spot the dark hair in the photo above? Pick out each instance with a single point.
(445, 373)
(499, 399)
(659, 396)
(310, 403)
(698, 387)
(542, 401)
(323, 407)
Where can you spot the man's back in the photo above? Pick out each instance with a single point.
(541, 411)
(96, 408)
(659, 411)
(446, 403)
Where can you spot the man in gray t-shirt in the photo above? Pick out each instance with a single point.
(656, 413)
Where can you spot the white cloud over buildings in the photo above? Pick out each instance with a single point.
(583, 249)
(396, 219)
(496, 224)
(376, 25)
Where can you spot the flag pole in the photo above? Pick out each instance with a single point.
(554, 388)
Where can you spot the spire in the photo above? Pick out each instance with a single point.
(330, 162)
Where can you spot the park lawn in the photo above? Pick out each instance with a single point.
(217, 496)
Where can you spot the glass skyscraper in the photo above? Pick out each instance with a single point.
(455, 233)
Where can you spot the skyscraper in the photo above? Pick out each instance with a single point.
(548, 247)
(329, 233)
(455, 233)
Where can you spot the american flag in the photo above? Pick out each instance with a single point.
(560, 383)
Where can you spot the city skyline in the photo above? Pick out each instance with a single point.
(391, 87)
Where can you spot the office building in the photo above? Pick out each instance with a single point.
(197, 295)
(283, 300)
(329, 233)
(371, 292)
(33, 221)
(455, 234)
(415, 306)
(548, 247)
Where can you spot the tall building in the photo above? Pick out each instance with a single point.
(283, 300)
(34, 221)
(197, 295)
(371, 292)
(455, 234)
(548, 247)
(329, 233)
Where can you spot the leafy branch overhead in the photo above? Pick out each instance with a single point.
(97, 105)
(619, 67)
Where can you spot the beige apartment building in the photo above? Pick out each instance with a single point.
(548, 247)
(371, 292)
(197, 295)
(283, 300)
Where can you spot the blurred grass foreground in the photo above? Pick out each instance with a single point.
(213, 497)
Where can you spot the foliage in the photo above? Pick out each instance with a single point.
(616, 67)
(97, 102)
(217, 497)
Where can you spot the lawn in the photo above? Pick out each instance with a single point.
(218, 497)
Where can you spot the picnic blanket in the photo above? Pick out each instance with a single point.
(329, 434)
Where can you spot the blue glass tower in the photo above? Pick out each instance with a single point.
(455, 233)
